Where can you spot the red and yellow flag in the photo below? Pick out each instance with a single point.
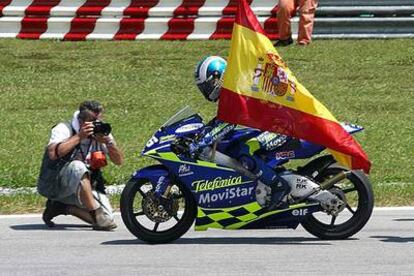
(260, 91)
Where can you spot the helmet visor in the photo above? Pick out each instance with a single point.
(211, 88)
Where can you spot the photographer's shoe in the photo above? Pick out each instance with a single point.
(101, 221)
(53, 209)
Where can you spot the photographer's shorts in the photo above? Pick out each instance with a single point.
(69, 181)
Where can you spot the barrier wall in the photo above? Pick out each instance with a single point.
(191, 19)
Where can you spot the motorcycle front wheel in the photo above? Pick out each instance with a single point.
(154, 220)
(357, 194)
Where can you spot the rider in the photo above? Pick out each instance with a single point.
(209, 79)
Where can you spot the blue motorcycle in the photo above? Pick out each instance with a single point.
(215, 191)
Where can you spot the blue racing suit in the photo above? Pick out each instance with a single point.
(244, 152)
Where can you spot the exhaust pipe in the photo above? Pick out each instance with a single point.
(327, 184)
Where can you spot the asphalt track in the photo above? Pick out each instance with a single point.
(384, 247)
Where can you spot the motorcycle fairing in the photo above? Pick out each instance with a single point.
(226, 199)
(213, 186)
(166, 134)
(252, 216)
(152, 173)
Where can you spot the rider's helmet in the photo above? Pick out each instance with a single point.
(209, 76)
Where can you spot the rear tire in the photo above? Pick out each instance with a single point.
(360, 212)
(136, 216)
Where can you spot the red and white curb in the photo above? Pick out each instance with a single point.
(127, 19)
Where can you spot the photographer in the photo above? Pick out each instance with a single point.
(71, 167)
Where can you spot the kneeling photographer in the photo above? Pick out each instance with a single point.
(70, 175)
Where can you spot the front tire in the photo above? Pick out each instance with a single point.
(141, 213)
(357, 192)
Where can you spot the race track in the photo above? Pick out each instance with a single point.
(384, 247)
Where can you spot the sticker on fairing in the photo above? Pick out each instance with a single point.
(189, 127)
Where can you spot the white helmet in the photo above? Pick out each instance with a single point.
(209, 76)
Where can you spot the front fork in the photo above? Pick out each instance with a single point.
(163, 187)
(163, 197)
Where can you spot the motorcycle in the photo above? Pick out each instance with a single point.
(328, 200)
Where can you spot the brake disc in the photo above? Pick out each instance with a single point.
(159, 210)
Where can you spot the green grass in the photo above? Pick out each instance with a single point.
(141, 84)
(34, 203)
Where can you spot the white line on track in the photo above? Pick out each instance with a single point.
(32, 216)
(377, 209)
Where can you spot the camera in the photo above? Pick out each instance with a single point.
(101, 128)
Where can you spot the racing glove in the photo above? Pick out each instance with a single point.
(193, 150)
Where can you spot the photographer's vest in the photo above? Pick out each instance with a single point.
(48, 181)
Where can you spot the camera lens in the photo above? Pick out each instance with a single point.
(101, 128)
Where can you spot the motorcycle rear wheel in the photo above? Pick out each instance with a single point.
(143, 218)
(360, 202)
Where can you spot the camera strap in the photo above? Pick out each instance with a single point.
(83, 154)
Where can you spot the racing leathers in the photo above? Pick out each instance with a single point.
(244, 152)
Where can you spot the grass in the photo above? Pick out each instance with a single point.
(141, 84)
(34, 203)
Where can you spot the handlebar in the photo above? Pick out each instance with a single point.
(181, 145)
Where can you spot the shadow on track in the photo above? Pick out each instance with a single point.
(404, 219)
(58, 227)
(394, 239)
(234, 240)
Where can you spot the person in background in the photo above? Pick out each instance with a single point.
(287, 9)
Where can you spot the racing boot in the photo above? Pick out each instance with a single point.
(101, 221)
(53, 209)
(279, 198)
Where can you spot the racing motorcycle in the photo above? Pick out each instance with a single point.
(329, 201)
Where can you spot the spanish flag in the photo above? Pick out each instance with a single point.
(260, 91)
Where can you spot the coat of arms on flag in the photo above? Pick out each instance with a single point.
(271, 76)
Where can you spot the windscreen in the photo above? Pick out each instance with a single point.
(180, 115)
